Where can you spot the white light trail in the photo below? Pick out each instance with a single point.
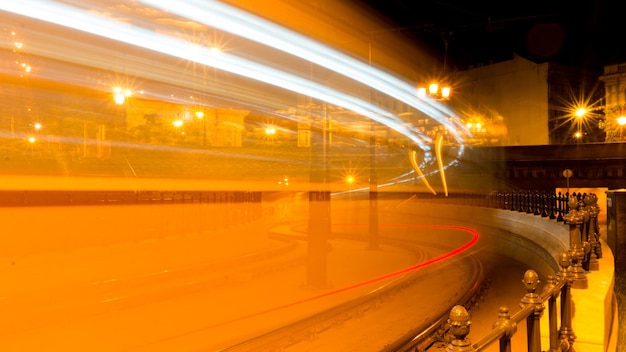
(77, 19)
(233, 20)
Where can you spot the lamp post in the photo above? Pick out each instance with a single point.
(319, 205)
(200, 116)
(373, 192)
(579, 114)
(178, 125)
(120, 96)
(441, 93)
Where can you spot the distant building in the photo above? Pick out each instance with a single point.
(519, 102)
(614, 79)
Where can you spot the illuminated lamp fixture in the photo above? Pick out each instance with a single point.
(120, 95)
(434, 92)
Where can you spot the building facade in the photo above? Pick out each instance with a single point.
(520, 102)
(614, 79)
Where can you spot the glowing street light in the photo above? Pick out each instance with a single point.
(434, 91)
(120, 95)
(200, 116)
(580, 114)
(621, 121)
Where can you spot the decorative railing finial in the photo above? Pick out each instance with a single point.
(459, 322)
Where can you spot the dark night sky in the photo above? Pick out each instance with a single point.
(588, 34)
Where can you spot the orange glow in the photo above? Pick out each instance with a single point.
(170, 268)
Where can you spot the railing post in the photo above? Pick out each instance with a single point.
(560, 207)
(538, 206)
(459, 322)
(533, 328)
(591, 204)
(566, 333)
(553, 322)
(552, 200)
(545, 205)
(510, 327)
(575, 219)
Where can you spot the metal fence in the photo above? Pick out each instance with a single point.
(580, 212)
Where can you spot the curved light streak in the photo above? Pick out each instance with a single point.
(420, 174)
(248, 26)
(70, 17)
(233, 20)
(438, 145)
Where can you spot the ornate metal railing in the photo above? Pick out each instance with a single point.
(532, 306)
(580, 213)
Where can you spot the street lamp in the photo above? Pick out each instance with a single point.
(621, 121)
(270, 132)
(178, 124)
(120, 95)
(200, 116)
(434, 91)
(580, 115)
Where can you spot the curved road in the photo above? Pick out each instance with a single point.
(214, 290)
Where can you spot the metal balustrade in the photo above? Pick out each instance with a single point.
(532, 307)
(580, 213)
